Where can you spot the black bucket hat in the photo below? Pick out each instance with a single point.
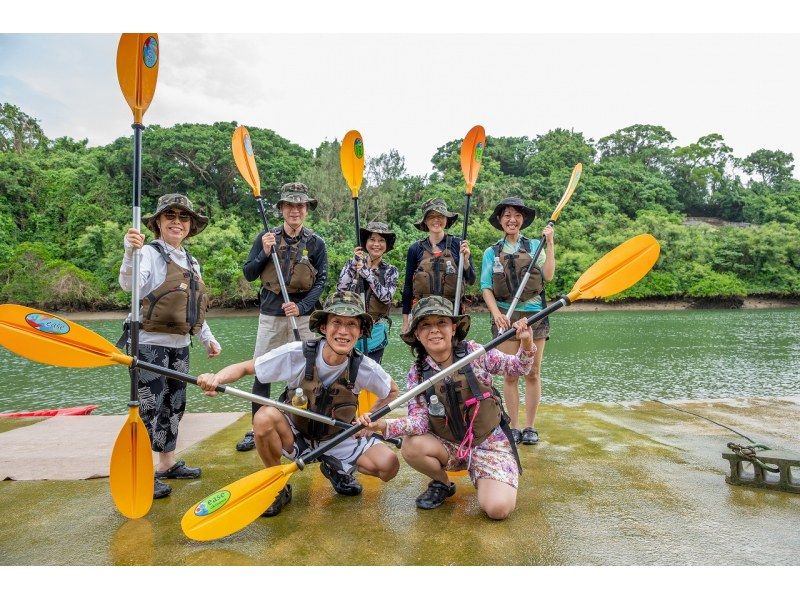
(176, 200)
(440, 207)
(379, 228)
(528, 214)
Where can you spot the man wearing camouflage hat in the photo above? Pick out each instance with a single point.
(330, 374)
(304, 263)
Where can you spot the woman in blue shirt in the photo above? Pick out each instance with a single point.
(503, 267)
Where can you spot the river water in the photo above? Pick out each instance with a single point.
(600, 356)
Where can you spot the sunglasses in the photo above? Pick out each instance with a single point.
(172, 215)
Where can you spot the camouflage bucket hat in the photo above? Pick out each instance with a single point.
(176, 200)
(436, 205)
(433, 305)
(341, 303)
(528, 214)
(296, 193)
(380, 228)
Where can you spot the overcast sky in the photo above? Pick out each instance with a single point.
(414, 92)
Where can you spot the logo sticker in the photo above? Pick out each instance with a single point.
(478, 152)
(358, 146)
(48, 324)
(212, 503)
(248, 145)
(150, 52)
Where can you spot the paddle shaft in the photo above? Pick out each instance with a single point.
(420, 388)
(135, 291)
(254, 398)
(277, 264)
(459, 280)
(527, 276)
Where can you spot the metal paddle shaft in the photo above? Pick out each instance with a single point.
(420, 388)
(277, 263)
(254, 398)
(459, 280)
(527, 276)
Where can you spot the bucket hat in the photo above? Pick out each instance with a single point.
(434, 305)
(440, 207)
(176, 200)
(296, 193)
(341, 303)
(380, 228)
(528, 214)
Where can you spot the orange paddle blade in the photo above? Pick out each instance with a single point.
(237, 505)
(351, 158)
(619, 269)
(242, 148)
(43, 337)
(471, 155)
(131, 469)
(137, 70)
(573, 183)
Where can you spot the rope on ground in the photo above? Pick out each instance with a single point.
(710, 420)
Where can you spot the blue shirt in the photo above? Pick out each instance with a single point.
(532, 304)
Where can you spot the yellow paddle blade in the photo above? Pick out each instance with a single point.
(366, 400)
(471, 155)
(573, 183)
(131, 470)
(351, 157)
(43, 337)
(242, 148)
(237, 505)
(137, 70)
(620, 268)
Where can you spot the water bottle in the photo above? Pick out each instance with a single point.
(449, 268)
(299, 399)
(435, 408)
(304, 257)
(497, 268)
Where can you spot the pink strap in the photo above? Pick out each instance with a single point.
(465, 448)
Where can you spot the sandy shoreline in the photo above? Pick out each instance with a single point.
(749, 303)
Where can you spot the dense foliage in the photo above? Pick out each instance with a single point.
(728, 226)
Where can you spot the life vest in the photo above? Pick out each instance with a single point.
(298, 271)
(179, 304)
(472, 410)
(437, 272)
(505, 283)
(375, 307)
(337, 401)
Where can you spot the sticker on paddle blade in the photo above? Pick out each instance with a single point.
(358, 147)
(248, 145)
(150, 52)
(48, 324)
(478, 152)
(211, 503)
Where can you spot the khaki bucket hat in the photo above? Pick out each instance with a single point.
(176, 200)
(341, 303)
(433, 305)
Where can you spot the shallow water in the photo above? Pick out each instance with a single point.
(592, 356)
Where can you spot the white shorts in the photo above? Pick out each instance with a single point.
(341, 458)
